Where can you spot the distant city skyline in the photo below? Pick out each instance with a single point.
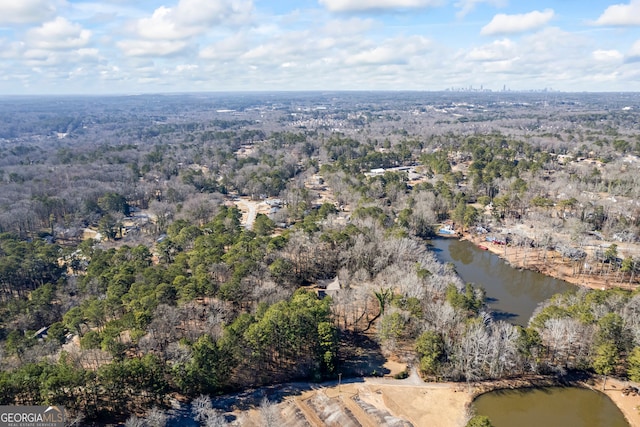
(149, 46)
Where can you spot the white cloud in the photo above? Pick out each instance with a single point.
(499, 50)
(226, 49)
(287, 46)
(192, 17)
(60, 60)
(621, 14)
(11, 49)
(186, 67)
(376, 56)
(209, 12)
(467, 6)
(110, 73)
(634, 53)
(152, 47)
(58, 34)
(267, 47)
(393, 51)
(163, 26)
(509, 24)
(607, 55)
(505, 66)
(557, 46)
(171, 30)
(359, 5)
(341, 27)
(315, 57)
(547, 58)
(88, 52)
(25, 11)
(37, 55)
(226, 44)
(104, 12)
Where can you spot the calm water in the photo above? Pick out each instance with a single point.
(512, 293)
(549, 407)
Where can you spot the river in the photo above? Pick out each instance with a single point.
(513, 294)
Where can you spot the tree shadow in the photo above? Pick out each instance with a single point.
(360, 356)
(504, 315)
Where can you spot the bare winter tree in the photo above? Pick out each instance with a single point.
(631, 317)
(425, 213)
(164, 328)
(472, 352)
(200, 408)
(204, 413)
(164, 213)
(201, 208)
(134, 421)
(269, 413)
(441, 316)
(504, 357)
(156, 418)
(568, 341)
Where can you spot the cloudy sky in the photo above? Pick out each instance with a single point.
(134, 46)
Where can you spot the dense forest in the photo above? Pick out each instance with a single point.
(136, 265)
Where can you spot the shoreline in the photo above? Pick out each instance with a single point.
(549, 263)
(627, 404)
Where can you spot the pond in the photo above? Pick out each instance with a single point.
(549, 407)
(513, 294)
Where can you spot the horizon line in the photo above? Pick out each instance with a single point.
(448, 91)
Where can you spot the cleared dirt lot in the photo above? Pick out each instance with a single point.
(370, 403)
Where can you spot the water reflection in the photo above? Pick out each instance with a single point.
(512, 293)
(461, 253)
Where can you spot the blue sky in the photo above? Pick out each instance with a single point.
(130, 46)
